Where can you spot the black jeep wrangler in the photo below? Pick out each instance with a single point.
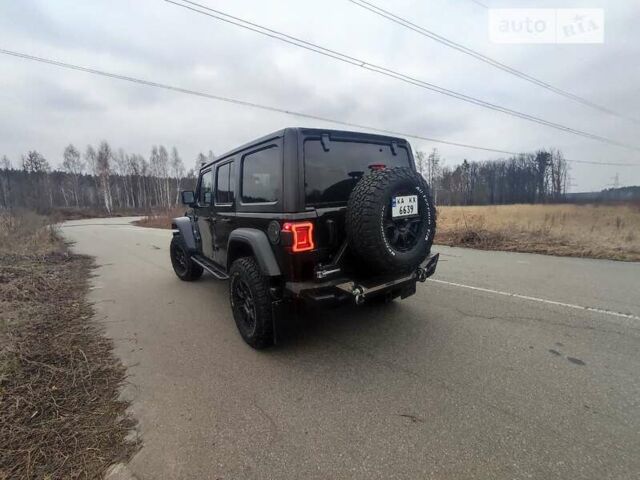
(307, 215)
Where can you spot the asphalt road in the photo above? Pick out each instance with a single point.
(463, 380)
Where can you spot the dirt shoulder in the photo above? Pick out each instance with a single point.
(60, 413)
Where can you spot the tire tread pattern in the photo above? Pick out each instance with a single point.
(363, 217)
(194, 271)
(249, 269)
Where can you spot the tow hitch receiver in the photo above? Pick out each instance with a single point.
(428, 268)
(358, 295)
(361, 291)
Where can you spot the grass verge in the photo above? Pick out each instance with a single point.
(594, 231)
(60, 412)
(160, 219)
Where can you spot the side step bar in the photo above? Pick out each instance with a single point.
(210, 267)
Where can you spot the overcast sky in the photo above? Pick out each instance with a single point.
(45, 108)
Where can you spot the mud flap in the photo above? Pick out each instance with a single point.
(408, 290)
(277, 317)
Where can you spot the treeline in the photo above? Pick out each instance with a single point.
(608, 195)
(97, 178)
(528, 178)
(114, 180)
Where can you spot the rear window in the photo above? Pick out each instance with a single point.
(261, 176)
(329, 176)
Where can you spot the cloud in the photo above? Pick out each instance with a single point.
(46, 108)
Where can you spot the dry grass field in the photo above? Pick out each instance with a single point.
(595, 231)
(160, 219)
(60, 415)
(27, 233)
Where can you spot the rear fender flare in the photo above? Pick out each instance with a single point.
(259, 244)
(184, 227)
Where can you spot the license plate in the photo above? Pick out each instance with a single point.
(404, 206)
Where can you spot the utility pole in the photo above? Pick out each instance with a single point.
(616, 181)
(570, 183)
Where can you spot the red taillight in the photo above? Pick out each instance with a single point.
(302, 235)
(377, 166)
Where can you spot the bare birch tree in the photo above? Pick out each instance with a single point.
(103, 165)
(559, 173)
(5, 181)
(177, 171)
(163, 170)
(433, 172)
(73, 165)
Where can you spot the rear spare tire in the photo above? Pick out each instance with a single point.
(384, 242)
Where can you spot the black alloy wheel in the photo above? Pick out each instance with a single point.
(179, 258)
(243, 299)
(183, 265)
(402, 233)
(251, 302)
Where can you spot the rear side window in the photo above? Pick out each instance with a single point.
(330, 175)
(224, 184)
(262, 176)
(206, 188)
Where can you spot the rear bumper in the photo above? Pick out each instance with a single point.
(342, 289)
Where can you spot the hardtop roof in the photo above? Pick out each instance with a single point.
(306, 132)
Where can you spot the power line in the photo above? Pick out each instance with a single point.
(483, 5)
(270, 108)
(218, 15)
(483, 58)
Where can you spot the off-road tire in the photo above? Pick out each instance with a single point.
(369, 208)
(259, 335)
(189, 271)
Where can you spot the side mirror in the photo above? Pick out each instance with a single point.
(188, 197)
